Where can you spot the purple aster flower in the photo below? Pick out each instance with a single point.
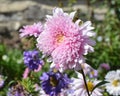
(17, 90)
(53, 82)
(1, 81)
(32, 60)
(105, 66)
(93, 73)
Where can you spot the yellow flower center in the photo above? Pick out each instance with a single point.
(115, 83)
(90, 86)
(55, 70)
(60, 38)
(92, 72)
(53, 81)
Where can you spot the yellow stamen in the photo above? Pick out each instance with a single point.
(53, 81)
(60, 38)
(115, 83)
(55, 70)
(90, 86)
(92, 72)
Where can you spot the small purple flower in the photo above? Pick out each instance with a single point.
(53, 82)
(93, 73)
(105, 66)
(1, 81)
(32, 60)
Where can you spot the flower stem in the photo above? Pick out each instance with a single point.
(85, 81)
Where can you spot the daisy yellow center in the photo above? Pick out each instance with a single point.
(90, 86)
(115, 83)
(60, 38)
(53, 81)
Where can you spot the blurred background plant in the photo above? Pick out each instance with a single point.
(107, 37)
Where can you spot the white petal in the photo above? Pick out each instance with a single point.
(72, 14)
(57, 11)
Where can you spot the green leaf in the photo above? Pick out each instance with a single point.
(99, 84)
(11, 82)
(28, 84)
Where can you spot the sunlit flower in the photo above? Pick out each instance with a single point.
(32, 60)
(80, 88)
(53, 82)
(31, 30)
(113, 87)
(66, 41)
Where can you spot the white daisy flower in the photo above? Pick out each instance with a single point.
(113, 87)
(80, 89)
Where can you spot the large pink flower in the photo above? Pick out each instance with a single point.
(65, 40)
(31, 30)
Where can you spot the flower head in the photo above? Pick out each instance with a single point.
(1, 81)
(31, 30)
(80, 88)
(105, 66)
(93, 73)
(113, 87)
(66, 41)
(32, 59)
(53, 82)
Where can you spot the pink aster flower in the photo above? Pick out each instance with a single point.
(65, 40)
(31, 30)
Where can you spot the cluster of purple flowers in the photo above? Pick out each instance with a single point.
(53, 82)
(32, 59)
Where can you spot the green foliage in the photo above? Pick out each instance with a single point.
(28, 85)
(11, 64)
(107, 49)
(99, 84)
